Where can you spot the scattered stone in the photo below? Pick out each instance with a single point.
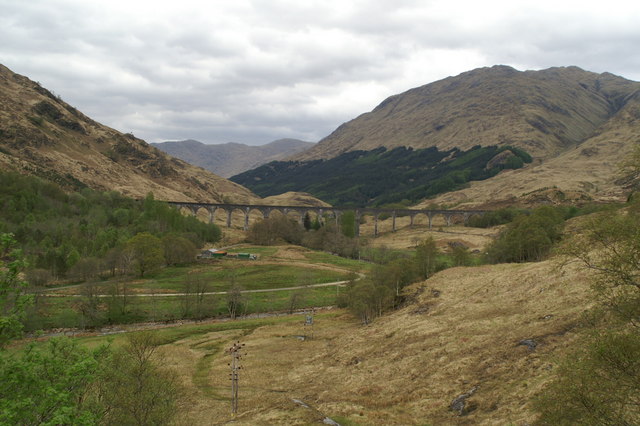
(459, 404)
(355, 360)
(325, 420)
(422, 309)
(301, 403)
(529, 343)
(435, 293)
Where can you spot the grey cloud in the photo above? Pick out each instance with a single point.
(251, 71)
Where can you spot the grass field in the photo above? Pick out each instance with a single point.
(149, 298)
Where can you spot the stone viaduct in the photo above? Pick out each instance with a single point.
(336, 212)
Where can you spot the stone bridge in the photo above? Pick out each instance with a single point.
(336, 212)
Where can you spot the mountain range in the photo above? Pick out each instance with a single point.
(578, 127)
(232, 158)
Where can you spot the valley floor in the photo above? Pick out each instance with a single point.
(498, 329)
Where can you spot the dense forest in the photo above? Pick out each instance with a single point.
(381, 176)
(68, 234)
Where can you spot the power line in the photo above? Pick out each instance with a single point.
(236, 355)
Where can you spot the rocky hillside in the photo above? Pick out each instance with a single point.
(232, 158)
(42, 135)
(579, 127)
(543, 112)
(590, 171)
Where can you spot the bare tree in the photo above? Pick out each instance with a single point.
(89, 304)
(236, 301)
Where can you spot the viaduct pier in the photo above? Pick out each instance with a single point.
(320, 212)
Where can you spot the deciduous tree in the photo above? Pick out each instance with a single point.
(147, 252)
(600, 382)
(13, 297)
(426, 258)
(134, 389)
(50, 385)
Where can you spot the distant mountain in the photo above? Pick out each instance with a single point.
(42, 135)
(232, 158)
(543, 112)
(577, 125)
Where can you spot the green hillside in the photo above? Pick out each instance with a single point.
(382, 176)
(59, 230)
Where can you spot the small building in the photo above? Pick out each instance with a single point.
(212, 254)
(247, 256)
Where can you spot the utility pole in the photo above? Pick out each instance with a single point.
(235, 367)
(309, 323)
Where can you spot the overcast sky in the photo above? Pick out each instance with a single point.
(254, 71)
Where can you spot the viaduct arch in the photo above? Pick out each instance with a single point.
(336, 212)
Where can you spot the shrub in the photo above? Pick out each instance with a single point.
(275, 229)
(527, 238)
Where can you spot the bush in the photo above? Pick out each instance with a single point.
(600, 382)
(494, 218)
(528, 238)
(276, 228)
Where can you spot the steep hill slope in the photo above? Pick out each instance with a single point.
(232, 158)
(543, 112)
(42, 135)
(589, 171)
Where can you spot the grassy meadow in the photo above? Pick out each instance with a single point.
(199, 291)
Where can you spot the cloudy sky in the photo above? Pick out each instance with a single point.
(253, 71)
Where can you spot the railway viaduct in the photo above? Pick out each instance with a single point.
(336, 212)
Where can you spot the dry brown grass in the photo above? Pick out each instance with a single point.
(98, 156)
(408, 366)
(406, 237)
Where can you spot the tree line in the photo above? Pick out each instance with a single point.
(61, 382)
(80, 235)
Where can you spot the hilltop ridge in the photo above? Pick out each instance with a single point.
(231, 158)
(543, 112)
